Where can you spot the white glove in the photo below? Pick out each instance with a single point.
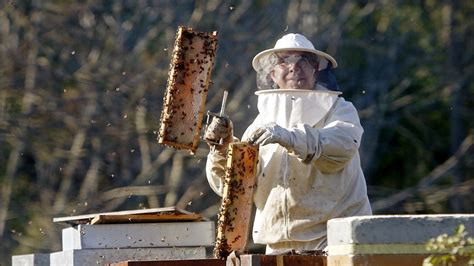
(219, 133)
(272, 133)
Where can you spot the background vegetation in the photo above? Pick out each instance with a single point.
(81, 87)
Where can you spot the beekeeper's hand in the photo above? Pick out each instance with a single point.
(219, 133)
(272, 133)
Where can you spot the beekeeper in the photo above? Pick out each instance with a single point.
(309, 167)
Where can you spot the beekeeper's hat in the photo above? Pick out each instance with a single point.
(292, 42)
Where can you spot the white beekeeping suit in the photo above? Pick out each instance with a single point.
(294, 199)
(309, 167)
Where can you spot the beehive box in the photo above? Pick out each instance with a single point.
(187, 87)
(187, 262)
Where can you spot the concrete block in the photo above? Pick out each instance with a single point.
(108, 256)
(394, 229)
(139, 235)
(30, 260)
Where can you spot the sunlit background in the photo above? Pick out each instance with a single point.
(82, 82)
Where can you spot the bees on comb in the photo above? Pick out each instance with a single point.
(234, 216)
(189, 77)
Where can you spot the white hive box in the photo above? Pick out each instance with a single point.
(108, 256)
(38, 259)
(142, 235)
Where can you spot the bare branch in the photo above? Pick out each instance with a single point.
(434, 176)
(14, 157)
(142, 139)
(174, 179)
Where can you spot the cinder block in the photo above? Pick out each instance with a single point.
(143, 235)
(394, 229)
(108, 256)
(30, 260)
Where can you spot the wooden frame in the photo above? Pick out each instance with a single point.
(233, 223)
(188, 81)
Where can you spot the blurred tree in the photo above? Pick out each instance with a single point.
(81, 87)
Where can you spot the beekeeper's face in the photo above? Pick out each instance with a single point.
(295, 70)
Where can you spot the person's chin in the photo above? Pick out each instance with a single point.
(294, 85)
(298, 87)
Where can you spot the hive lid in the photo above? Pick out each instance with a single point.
(166, 214)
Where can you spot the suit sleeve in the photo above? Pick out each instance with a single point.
(331, 147)
(215, 171)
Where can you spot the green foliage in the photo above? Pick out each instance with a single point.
(447, 248)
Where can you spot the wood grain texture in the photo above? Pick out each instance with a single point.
(283, 260)
(130, 216)
(197, 262)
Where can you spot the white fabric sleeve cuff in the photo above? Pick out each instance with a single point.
(215, 171)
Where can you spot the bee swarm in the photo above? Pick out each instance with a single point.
(188, 81)
(236, 208)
